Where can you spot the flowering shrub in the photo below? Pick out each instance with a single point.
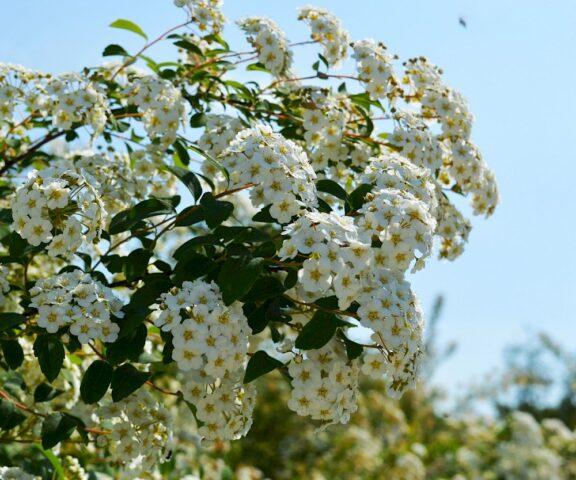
(303, 207)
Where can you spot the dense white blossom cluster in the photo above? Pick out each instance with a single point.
(141, 433)
(402, 223)
(417, 143)
(210, 343)
(17, 88)
(453, 229)
(61, 208)
(270, 42)
(392, 311)
(206, 13)
(68, 98)
(393, 171)
(324, 384)
(278, 168)
(324, 127)
(124, 179)
(207, 335)
(375, 68)
(223, 406)
(219, 132)
(461, 162)
(77, 300)
(327, 29)
(160, 104)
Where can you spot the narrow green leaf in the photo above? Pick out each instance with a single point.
(189, 179)
(130, 26)
(55, 461)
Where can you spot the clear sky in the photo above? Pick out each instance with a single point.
(515, 63)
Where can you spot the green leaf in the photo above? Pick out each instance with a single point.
(135, 265)
(264, 216)
(210, 159)
(358, 196)
(50, 353)
(191, 47)
(96, 381)
(181, 152)
(237, 277)
(353, 349)
(13, 353)
(260, 364)
(58, 427)
(6, 216)
(45, 392)
(113, 50)
(128, 346)
(318, 331)
(216, 211)
(10, 415)
(126, 219)
(126, 380)
(189, 179)
(55, 461)
(128, 25)
(333, 188)
(264, 288)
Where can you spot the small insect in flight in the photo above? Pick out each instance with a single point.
(462, 21)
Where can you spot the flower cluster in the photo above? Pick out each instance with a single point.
(72, 99)
(403, 225)
(210, 342)
(160, 104)
(324, 384)
(270, 43)
(453, 230)
(328, 31)
(207, 335)
(141, 432)
(340, 263)
(17, 86)
(223, 406)
(61, 208)
(219, 132)
(417, 143)
(123, 179)
(77, 300)
(68, 98)
(278, 168)
(375, 68)
(206, 13)
(325, 125)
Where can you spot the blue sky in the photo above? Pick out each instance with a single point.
(515, 63)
